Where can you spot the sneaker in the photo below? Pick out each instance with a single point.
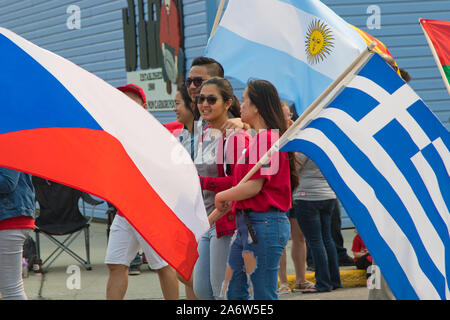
(134, 270)
(346, 262)
(310, 267)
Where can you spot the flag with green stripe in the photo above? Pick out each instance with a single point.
(438, 36)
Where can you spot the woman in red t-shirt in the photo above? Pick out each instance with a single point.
(261, 202)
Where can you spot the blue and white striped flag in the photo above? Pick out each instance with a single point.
(387, 158)
(300, 46)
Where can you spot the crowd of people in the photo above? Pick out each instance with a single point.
(243, 254)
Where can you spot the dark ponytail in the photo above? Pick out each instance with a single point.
(235, 108)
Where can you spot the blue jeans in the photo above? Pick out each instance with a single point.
(314, 218)
(272, 231)
(209, 270)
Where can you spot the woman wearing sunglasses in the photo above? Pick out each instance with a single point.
(215, 162)
(261, 203)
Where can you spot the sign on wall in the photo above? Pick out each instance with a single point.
(159, 66)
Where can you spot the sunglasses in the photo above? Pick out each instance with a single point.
(210, 99)
(197, 81)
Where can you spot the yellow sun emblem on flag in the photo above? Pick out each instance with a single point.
(319, 42)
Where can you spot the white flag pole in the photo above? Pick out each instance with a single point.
(436, 57)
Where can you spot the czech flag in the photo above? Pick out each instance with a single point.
(62, 123)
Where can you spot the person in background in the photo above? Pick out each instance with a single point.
(202, 69)
(188, 136)
(185, 115)
(315, 203)
(124, 242)
(16, 221)
(298, 245)
(336, 233)
(363, 259)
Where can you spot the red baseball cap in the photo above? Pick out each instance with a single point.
(131, 87)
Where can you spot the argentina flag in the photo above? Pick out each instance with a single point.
(300, 46)
(387, 158)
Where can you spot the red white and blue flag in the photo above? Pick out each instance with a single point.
(60, 122)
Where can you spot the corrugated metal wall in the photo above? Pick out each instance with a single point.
(97, 46)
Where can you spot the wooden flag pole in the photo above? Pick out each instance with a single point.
(305, 117)
(436, 57)
(217, 19)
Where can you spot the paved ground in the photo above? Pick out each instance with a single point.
(60, 282)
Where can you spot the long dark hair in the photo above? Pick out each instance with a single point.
(264, 96)
(182, 89)
(186, 98)
(226, 91)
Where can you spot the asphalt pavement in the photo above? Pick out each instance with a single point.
(66, 279)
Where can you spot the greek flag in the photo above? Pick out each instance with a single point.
(387, 158)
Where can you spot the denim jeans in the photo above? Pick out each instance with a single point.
(314, 218)
(209, 270)
(336, 234)
(272, 231)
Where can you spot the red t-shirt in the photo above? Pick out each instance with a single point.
(174, 127)
(21, 222)
(276, 191)
(358, 245)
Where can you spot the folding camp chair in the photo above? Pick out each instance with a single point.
(59, 215)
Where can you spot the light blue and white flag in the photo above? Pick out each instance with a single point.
(300, 46)
(387, 158)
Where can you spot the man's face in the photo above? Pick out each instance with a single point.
(196, 74)
(136, 98)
